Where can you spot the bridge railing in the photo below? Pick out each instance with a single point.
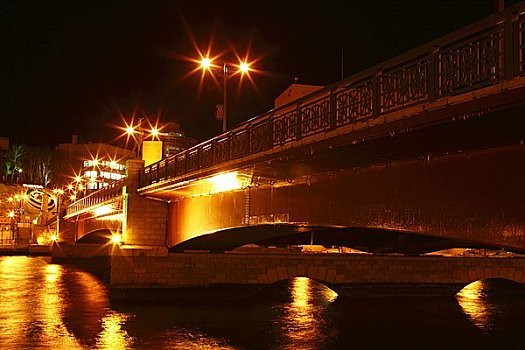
(102, 195)
(482, 54)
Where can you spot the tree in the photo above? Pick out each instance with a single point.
(39, 166)
(14, 158)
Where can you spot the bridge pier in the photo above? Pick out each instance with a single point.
(150, 274)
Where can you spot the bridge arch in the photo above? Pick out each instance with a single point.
(369, 240)
(98, 236)
(492, 286)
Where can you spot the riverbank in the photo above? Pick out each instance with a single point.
(25, 249)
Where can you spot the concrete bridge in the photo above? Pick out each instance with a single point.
(421, 153)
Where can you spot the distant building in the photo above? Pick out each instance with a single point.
(98, 164)
(174, 140)
(4, 144)
(4, 147)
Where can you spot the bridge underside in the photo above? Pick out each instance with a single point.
(450, 174)
(451, 183)
(100, 236)
(282, 235)
(96, 230)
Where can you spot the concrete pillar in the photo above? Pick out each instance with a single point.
(145, 219)
(133, 167)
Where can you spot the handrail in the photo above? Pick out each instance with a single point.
(485, 53)
(109, 192)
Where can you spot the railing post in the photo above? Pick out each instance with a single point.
(333, 111)
(510, 43)
(298, 122)
(248, 138)
(376, 94)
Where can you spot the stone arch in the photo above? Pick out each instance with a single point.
(512, 273)
(493, 286)
(319, 274)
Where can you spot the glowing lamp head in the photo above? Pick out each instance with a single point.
(54, 238)
(154, 132)
(11, 214)
(244, 67)
(205, 63)
(116, 238)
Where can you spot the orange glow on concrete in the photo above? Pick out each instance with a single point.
(102, 210)
(114, 217)
(225, 182)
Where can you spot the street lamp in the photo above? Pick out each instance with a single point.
(138, 132)
(58, 195)
(225, 72)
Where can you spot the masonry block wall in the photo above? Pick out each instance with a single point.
(67, 231)
(142, 268)
(146, 221)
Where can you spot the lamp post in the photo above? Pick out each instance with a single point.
(11, 216)
(139, 133)
(224, 72)
(58, 195)
(138, 130)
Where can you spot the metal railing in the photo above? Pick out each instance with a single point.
(104, 194)
(482, 54)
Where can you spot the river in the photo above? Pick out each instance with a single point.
(51, 306)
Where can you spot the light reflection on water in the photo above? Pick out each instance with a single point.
(480, 306)
(50, 306)
(300, 324)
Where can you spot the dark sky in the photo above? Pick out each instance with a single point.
(75, 67)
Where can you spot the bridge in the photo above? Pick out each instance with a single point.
(421, 153)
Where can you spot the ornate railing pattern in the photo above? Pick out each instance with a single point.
(485, 53)
(405, 85)
(474, 64)
(354, 104)
(107, 193)
(482, 54)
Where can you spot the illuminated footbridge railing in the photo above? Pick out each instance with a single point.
(105, 194)
(485, 53)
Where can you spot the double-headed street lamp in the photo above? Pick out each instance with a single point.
(224, 71)
(138, 132)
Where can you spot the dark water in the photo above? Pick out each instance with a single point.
(50, 306)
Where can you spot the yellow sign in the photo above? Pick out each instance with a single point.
(151, 152)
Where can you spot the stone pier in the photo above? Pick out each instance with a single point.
(152, 273)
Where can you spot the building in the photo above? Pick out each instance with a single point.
(94, 164)
(174, 140)
(165, 142)
(4, 144)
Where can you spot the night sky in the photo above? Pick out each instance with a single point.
(78, 67)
